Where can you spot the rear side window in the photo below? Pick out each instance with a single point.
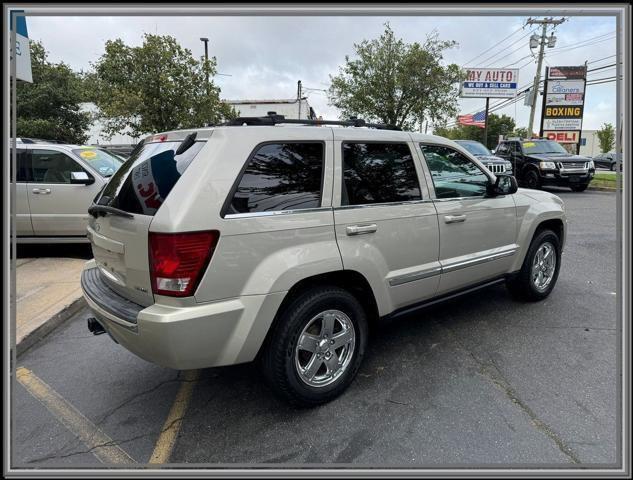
(280, 176)
(143, 182)
(378, 173)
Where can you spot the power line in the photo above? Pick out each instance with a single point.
(600, 59)
(495, 45)
(506, 48)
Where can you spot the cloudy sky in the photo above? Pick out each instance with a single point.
(265, 56)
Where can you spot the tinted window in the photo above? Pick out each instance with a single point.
(280, 176)
(378, 173)
(23, 162)
(50, 166)
(453, 174)
(143, 182)
(502, 149)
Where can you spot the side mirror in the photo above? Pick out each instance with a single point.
(81, 178)
(504, 185)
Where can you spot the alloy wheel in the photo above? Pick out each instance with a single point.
(325, 348)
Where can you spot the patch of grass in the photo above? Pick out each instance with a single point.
(604, 180)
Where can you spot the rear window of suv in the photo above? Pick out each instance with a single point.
(143, 182)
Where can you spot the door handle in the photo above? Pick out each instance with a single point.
(42, 191)
(361, 229)
(454, 218)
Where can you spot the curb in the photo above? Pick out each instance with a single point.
(51, 324)
(602, 189)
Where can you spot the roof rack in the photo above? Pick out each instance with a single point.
(273, 119)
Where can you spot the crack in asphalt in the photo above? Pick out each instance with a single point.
(137, 396)
(493, 374)
(107, 444)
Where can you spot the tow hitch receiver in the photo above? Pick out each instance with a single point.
(95, 327)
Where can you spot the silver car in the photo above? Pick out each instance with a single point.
(283, 243)
(56, 184)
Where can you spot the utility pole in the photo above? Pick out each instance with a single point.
(299, 97)
(206, 60)
(486, 122)
(537, 78)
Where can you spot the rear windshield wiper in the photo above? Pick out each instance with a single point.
(186, 143)
(102, 210)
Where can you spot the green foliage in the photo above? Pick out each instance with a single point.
(397, 83)
(49, 107)
(606, 137)
(497, 125)
(521, 132)
(156, 87)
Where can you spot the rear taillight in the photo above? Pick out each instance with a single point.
(178, 260)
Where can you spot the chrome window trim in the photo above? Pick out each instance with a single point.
(462, 198)
(273, 213)
(384, 204)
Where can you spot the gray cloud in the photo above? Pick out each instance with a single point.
(265, 56)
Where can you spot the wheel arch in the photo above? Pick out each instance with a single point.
(550, 221)
(350, 280)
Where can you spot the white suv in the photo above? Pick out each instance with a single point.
(55, 185)
(270, 241)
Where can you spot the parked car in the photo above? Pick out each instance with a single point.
(539, 162)
(492, 162)
(55, 185)
(259, 240)
(607, 160)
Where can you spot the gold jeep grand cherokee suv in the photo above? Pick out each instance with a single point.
(261, 239)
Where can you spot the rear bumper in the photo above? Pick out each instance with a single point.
(566, 179)
(212, 334)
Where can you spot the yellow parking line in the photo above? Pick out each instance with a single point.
(169, 433)
(100, 444)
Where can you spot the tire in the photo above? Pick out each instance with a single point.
(286, 365)
(532, 180)
(523, 285)
(612, 167)
(579, 188)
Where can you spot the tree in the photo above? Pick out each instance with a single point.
(397, 83)
(156, 87)
(497, 125)
(49, 107)
(521, 132)
(606, 137)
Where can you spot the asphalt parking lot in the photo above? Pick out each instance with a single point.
(482, 380)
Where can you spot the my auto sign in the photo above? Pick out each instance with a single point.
(490, 82)
(563, 104)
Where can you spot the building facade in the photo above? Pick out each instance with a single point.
(289, 108)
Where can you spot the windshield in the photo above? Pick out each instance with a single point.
(103, 162)
(475, 148)
(542, 146)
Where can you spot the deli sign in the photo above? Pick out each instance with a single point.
(490, 83)
(563, 104)
(562, 136)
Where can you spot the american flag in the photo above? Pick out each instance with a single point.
(478, 119)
